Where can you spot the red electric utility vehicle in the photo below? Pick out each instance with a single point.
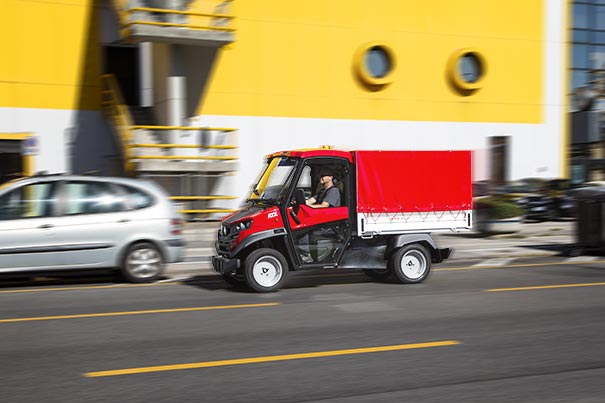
(390, 202)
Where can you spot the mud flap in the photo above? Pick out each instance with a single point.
(439, 255)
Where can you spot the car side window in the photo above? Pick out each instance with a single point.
(35, 200)
(137, 199)
(91, 198)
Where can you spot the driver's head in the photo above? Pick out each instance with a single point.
(326, 174)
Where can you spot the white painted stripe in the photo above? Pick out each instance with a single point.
(580, 259)
(496, 262)
(176, 279)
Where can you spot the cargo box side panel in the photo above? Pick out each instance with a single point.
(405, 191)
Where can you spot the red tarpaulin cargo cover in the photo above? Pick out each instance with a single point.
(413, 181)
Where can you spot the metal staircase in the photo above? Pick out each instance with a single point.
(189, 162)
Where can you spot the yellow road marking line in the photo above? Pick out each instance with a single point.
(519, 265)
(254, 360)
(30, 290)
(104, 314)
(546, 287)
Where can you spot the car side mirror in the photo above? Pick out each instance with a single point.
(299, 196)
(298, 199)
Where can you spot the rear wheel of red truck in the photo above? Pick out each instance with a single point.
(265, 270)
(411, 263)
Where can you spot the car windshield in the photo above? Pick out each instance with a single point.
(273, 182)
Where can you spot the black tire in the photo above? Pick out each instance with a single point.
(237, 281)
(378, 274)
(411, 263)
(142, 263)
(265, 270)
(574, 251)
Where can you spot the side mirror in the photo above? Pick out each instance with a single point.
(298, 199)
(299, 196)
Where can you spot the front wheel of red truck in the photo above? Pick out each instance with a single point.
(411, 263)
(265, 270)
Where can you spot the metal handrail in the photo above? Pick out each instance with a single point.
(171, 24)
(217, 129)
(185, 157)
(120, 12)
(153, 145)
(171, 11)
(120, 114)
(208, 211)
(125, 13)
(185, 146)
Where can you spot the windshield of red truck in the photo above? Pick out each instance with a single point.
(273, 182)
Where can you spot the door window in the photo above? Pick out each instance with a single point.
(91, 198)
(30, 201)
(137, 199)
(310, 179)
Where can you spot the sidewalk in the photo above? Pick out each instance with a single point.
(534, 240)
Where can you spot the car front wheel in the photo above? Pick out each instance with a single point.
(265, 270)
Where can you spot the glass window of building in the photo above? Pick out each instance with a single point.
(580, 16)
(588, 42)
(378, 63)
(469, 68)
(599, 15)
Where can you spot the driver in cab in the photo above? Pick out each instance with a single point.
(329, 196)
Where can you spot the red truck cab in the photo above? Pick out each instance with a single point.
(381, 223)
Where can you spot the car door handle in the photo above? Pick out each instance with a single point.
(46, 226)
(124, 220)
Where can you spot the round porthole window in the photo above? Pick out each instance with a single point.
(374, 64)
(377, 62)
(469, 68)
(466, 70)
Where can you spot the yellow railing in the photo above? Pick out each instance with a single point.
(211, 15)
(185, 146)
(204, 211)
(116, 109)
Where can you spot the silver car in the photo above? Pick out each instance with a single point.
(60, 222)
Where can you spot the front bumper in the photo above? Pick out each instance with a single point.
(224, 265)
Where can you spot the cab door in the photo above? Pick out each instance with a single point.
(320, 235)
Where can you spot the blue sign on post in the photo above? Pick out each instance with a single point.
(30, 146)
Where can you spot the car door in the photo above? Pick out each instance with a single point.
(93, 225)
(27, 227)
(320, 234)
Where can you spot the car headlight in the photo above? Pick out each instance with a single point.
(242, 226)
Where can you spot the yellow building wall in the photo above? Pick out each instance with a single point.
(295, 59)
(50, 54)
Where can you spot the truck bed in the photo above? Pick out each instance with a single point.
(411, 191)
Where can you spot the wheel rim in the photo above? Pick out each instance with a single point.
(144, 263)
(413, 264)
(267, 271)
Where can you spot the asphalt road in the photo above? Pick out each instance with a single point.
(468, 334)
